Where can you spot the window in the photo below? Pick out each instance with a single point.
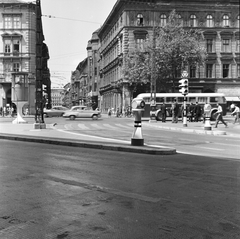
(193, 21)
(209, 70)
(16, 22)
(225, 70)
(226, 45)
(225, 21)
(238, 45)
(238, 70)
(140, 20)
(140, 43)
(11, 21)
(7, 48)
(7, 22)
(179, 20)
(16, 44)
(16, 67)
(209, 21)
(209, 45)
(192, 71)
(163, 20)
(238, 21)
(7, 67)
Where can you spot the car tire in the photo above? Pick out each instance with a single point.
(95, 117)
(72, 117)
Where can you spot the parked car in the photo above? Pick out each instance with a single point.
(81, 111)
(56, 111)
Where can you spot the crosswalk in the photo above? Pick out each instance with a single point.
(97, 126)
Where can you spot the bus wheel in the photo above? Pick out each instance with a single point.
(213, 115)
(159, 116)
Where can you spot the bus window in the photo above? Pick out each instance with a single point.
(202, 99)
(191, 99)
(169, 99)
(213, 99)
(160, 99)
(180, 99)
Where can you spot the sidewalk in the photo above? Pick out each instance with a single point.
(26, 132)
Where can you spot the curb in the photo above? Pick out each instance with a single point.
(187, 130)
(95, 145)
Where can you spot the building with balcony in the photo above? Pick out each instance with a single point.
(18, 53)
(130, 24)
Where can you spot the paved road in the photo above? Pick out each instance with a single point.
(59, 192)
(168, 135)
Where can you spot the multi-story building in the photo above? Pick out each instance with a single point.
(57, 96)
(130, 23)
(18, 53)
(67, 99)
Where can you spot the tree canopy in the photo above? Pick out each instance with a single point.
(172, 50)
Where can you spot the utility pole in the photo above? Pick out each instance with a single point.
(39, 119)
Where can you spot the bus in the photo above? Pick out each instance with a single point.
(168, 98)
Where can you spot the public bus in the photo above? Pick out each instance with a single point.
(168, 98)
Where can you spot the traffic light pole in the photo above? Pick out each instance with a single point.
(185, 111)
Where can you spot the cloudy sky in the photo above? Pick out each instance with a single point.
(67, 31)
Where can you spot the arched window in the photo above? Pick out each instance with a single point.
(163, 20)
(193, 21)
(209, 21)
(140, 20)
(226, 21)
(238, 21)
(179, 20)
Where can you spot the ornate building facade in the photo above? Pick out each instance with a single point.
(130, 24)
(18, 53)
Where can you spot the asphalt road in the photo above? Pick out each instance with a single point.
(49, 192)
(221, 146)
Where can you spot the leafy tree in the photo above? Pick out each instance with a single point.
(173, 50)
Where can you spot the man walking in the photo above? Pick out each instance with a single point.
(175, 111)
(219, 116)
(235, 112)
(163, 110)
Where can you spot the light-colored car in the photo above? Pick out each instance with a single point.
(81, 111)
(56, 111)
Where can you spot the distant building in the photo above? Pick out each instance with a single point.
(57, 95)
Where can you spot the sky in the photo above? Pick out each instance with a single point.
(67, 39)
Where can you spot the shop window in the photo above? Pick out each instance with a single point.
(209, 22)
(226, 70)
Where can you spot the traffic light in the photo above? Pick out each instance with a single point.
(183, 86)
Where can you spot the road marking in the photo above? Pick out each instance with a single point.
(208, 148)
(122, 126)
(108, 126)
(97, 126)
(68, 127)
(82, 126)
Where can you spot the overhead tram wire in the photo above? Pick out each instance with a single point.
(70, 19)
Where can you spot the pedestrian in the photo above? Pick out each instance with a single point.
(197, 112)
(236, 113)
(164, 112)
(4, 111)
(109, 112)
(191, 112)
(175, 111)
(219, 116)
(1, 110)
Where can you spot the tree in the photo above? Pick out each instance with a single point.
(175, 49)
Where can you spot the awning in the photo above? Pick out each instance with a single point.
(233, 98)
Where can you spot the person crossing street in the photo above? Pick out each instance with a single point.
(220, 116)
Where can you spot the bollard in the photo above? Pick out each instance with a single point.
(137, 107)
(207, 112)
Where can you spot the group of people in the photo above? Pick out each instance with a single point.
(195, 112)
(7, 111)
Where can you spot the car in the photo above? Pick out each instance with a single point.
(55, 111)
(81, 111)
